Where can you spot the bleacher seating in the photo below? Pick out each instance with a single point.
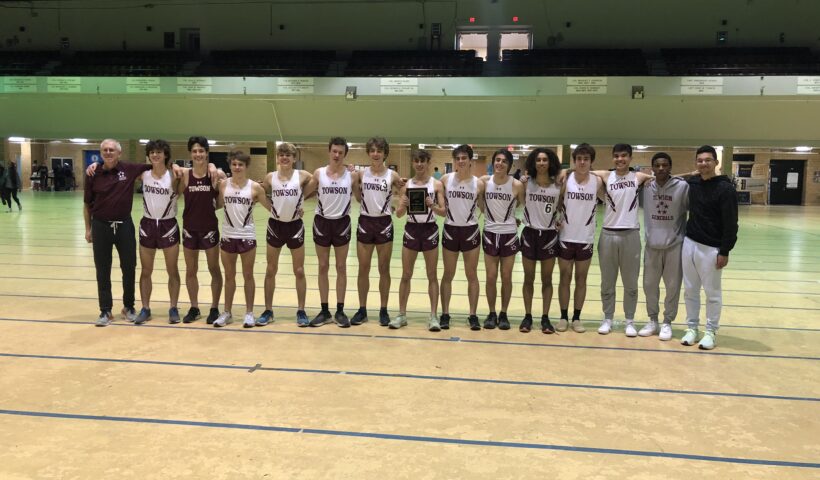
(574, 62)
(740, 61)
(267, 63)
(440, 63)
(400, 63)
(123, 64)
(23, 63)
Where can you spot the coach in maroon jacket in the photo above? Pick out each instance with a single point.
(109, 195)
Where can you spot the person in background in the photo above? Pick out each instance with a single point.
(11, 184)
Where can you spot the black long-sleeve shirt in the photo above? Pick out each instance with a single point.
(712, 212)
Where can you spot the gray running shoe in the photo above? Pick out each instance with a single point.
(398, 322)
(341, 319)
(105, 319)
(129, 314)
(223, 319)
(321, 319)
(433, 325)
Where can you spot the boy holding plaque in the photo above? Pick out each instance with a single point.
(463, 194)
(420, 199)
(501, 195)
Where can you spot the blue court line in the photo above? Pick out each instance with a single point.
(411, 376)
(413, 438)
(312, 332)
(259, 276)
(68, 297)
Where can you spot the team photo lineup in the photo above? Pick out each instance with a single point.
(547, 213)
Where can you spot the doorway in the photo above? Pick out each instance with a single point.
(189, 40)
(786, 182)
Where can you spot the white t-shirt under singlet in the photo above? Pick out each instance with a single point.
(159, 200)
(285, 197)
(334, 195)
(431, 192)
(462, 201)
(621, 204)
(579, 210)
(499, 207)
(377, 192)
(539, 205)
(238, 219)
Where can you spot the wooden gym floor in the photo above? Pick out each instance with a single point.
(191, 401)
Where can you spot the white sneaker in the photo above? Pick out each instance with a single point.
(708, 341)
(562, 326)
(249, 321)
(666, 332)
(629, 330)
(689, 337)
(606, 326)
(651, 328)
(223, 319)
(434, 325)
(397, 322)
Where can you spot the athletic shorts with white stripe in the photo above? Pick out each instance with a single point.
(374, 230)
(291, 234)
(420, 237)
(539, 245)
(159, 234)
(500, 244)
(460, 239)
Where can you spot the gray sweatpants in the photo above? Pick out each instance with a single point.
(657, 264)
(699, 264)
(619, 250)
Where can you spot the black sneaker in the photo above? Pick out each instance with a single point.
(192, 315)
(359, 317)
(473, 321)
(341, 319)
(384, 317)
(490, 322)
(265, 318)
(212, 316)
(546, 326)
(321, 319)
(526, 324)
(444, 321)
(503, 321)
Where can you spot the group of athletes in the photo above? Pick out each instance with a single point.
(690, 226)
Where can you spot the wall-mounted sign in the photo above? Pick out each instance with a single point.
(701, 81)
